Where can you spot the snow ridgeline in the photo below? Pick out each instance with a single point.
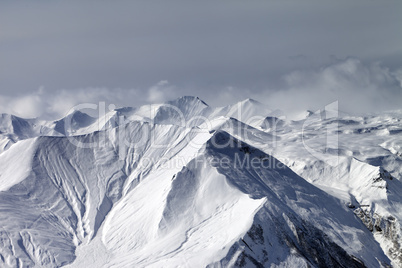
(203, 193)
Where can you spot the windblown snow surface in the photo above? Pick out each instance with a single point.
(182, 184)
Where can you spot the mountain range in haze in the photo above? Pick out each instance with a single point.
(183, 184)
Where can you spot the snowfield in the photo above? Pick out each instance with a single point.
(183, 184)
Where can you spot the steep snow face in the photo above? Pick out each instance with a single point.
(12, 173)
(14, 129)
(184, 111)
(295, 214)
(196, 218)
(73, 123)
(368, 182)
(379, 197)
(62, 200)
(231, 205)
(183, 184)
(351, 158)
(16, 125)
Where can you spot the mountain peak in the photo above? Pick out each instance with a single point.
(72, 122)
(183, 184)
(187, 100)
(250, 100)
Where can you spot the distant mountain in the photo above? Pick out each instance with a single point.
(183, 184)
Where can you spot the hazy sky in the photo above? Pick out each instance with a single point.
(288, 54)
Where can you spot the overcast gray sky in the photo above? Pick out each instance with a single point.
(288, 54)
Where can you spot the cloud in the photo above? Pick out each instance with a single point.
(220, 51)
(359, 88)
(398, 76)
(160, 92)
(27, 106)
(55, 104)
(205, 44)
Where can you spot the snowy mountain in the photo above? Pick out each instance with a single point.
(183, 184)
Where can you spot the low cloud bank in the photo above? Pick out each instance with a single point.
(358, 87)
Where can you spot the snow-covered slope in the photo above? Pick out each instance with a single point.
(182, 184)
(14, 128)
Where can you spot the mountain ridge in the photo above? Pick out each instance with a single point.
(261, 198)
